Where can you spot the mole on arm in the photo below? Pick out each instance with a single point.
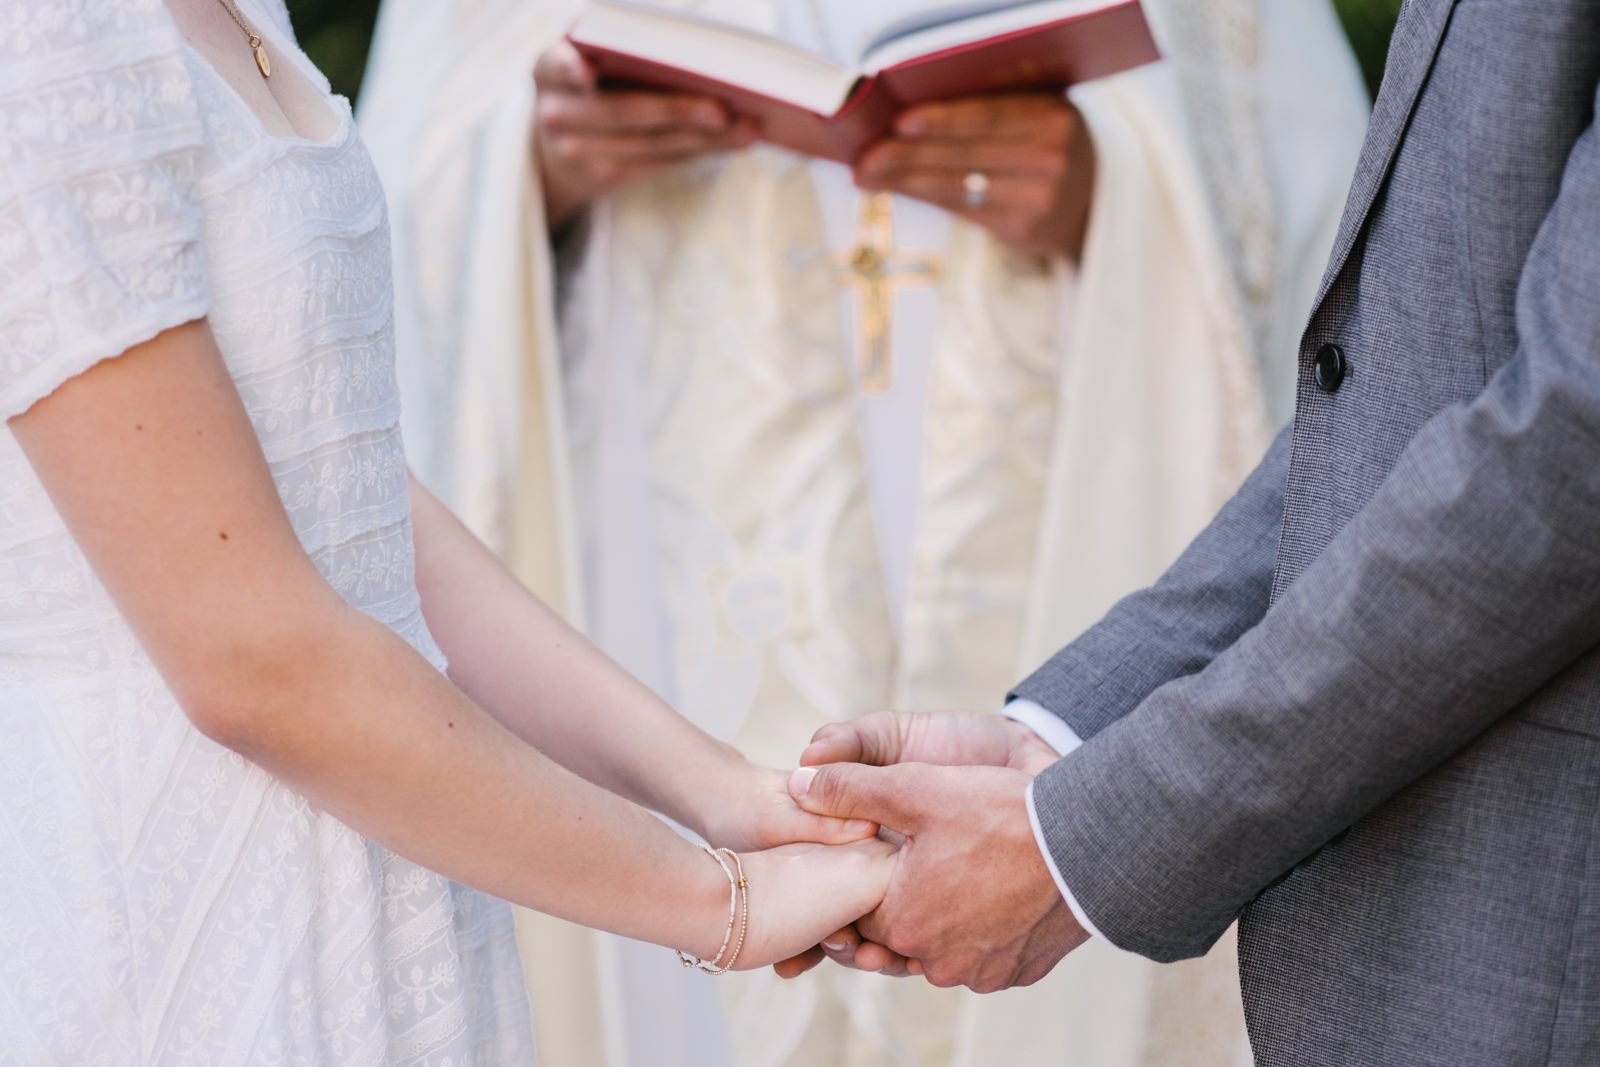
(222, 535)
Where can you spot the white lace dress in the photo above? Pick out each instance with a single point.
(163, 901)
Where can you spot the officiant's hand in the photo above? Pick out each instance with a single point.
(1032, 150)
(971, 898)
(589, 141)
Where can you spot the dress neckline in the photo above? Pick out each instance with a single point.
(267, 28)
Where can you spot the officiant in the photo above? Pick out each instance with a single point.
(795, 440)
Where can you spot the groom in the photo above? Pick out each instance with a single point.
(1361, 714)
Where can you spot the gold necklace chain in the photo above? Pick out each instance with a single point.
(263, 64)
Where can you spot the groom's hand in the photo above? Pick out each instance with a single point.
(884, 738)
(951, 738)
(971, 898)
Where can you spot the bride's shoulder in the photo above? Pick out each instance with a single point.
(84, 85)
(64, 28)
(101, 142)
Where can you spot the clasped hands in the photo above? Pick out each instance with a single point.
(970, 900)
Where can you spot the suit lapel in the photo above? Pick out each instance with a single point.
(1416, 42)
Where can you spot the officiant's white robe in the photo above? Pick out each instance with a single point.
(675, 457)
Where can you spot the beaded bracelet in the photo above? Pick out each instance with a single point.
(738, 912)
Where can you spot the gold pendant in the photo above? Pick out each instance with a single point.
(263, 64)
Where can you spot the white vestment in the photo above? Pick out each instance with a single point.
(680, 459)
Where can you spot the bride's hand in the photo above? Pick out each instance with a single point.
(749, 808)
(800, 894)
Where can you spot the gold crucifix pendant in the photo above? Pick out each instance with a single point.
(875, 270)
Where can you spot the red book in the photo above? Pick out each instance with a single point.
(834, 107)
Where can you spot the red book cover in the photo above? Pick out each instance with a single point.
(1052, 55)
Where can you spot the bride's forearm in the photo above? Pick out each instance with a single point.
(366, 729)
(552, 687)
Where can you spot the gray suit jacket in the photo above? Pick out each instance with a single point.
(1362, 713)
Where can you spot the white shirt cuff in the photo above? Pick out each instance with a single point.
(1052, 729)
(1061, 883)
(1064, 739)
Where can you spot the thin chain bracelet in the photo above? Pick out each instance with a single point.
(744, 916)
(738, 914)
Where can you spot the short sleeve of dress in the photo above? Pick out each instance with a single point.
(100, 235)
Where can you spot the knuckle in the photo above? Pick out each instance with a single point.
(875, 733)
(553, 112)
(671, 111)
(677, 144)
(909, 943)
(934, 119)
(1008, 230)
(833, 732)
(885, 157)
(547, 68)
(568, 149)
(910, 155)
(925, 186)
(1036, 197)
(874, 936)
(828, 786)
(1052, 165)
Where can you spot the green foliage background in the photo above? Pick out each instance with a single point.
(335, 34)
(1369, 24)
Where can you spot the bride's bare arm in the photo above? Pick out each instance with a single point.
(152, 462)
(523, 664)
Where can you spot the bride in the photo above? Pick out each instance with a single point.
(232, 754)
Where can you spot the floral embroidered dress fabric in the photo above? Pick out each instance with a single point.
(162, 900)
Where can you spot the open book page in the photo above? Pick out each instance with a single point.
(931, 28)
(846, 30)
(993, 44)
(717, 50)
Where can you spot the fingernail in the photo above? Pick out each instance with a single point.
(800, 781)
(858, 826)
(911, 124)
(836, 946)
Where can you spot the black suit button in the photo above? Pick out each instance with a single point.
(1331, 368)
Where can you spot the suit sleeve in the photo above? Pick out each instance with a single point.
(1470, 580)
(1217, 590)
